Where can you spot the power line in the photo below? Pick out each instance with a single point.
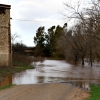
(35, 20)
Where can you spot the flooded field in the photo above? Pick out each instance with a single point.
(56, 71)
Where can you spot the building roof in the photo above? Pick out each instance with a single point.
(5, 6)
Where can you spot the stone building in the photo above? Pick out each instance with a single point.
(5, 36)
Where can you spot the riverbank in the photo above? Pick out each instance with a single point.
(52, 91)
(5, 71)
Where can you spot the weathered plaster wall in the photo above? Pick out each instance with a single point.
(5, 45)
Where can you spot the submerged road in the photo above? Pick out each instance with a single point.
(59, 91)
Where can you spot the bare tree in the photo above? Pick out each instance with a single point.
(83, 43)
(14, 37)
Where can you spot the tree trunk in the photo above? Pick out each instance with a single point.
(91, 57)
(75, 61)
(82, 61)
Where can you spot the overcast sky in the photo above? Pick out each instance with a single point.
(45, 12)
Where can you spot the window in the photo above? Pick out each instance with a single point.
(2, 10)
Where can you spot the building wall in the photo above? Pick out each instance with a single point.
(5, 42)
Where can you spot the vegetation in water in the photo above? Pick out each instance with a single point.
(79, 43)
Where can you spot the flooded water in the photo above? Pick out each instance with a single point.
(56, 71)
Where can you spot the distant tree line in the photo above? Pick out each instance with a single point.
(78, 44)
(46, 42)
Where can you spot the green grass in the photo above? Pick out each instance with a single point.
(95, 92)
(7, 86)
(4, 71)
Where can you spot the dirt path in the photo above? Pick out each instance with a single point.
(60, 91)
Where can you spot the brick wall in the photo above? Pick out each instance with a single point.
(5, 44)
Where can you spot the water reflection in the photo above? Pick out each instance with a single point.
(40, 79)
(57, 71)
(6, 81)
(81, 84)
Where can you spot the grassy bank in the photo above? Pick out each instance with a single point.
(19, 63)
(95, 92)
(7, 86)
(4, 71)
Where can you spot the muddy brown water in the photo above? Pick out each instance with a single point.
(56, 71)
